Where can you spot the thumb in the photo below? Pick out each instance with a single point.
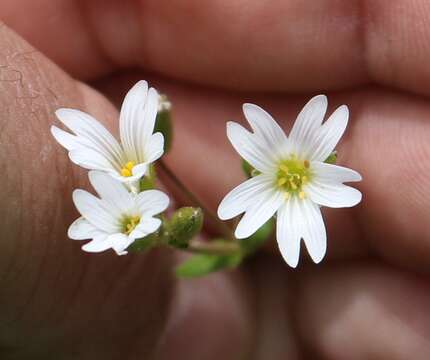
(50, 289)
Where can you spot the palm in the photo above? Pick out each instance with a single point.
(367, 300)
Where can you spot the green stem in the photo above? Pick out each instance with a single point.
(225, 229)
(213, 248)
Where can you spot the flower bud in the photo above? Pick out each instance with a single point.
(185, 223)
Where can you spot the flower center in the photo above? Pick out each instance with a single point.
(126, 171)
(292, 175)
(129, 224)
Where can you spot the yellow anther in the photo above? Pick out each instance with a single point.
(304, 179)
(282, 181)
(286, 195)
(302, 195)
(307, 164)
(125, 172)
(293, 185)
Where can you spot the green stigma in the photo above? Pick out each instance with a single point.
(292, 175)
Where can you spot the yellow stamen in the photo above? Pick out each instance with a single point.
(292, 175)
(282, 181)
(126, 171)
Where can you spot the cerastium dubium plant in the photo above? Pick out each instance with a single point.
(289, 180)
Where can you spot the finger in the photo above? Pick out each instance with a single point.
(243, 45)
(53, 296)
(204, 309)
(363, 311)
(387, 150)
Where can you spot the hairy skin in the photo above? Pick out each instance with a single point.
(367, 300)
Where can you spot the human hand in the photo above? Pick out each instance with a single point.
(366, 300)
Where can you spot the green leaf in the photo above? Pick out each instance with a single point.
(163, 124)
(203, 264)
(331, 158)
(184, 224)
(256, 240)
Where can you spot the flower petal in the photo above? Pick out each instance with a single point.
(155, 147)
(243, 195)
(146, 226)
(98, 244)
(81, 229)
(264, 126)
(329, 134)
(93, 135)
(309, 120)
(91, 160)
(64, 138)
(137, 120)
(314, 233)
(250, 148)
(140, 170)
(131, 111)
(332, 195)
(120, 242)
(111, 191)
(96, 212)
(258, 213)
(152, 202)
(333, 173)
(288, 233)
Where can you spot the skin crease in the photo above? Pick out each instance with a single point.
(367, 300)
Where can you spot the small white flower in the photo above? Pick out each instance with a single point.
(118, 217)
(94, 148)
(293, 181)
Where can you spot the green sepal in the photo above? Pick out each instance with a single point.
(148, 181)
(331, 158)
(163, 124)
(204, 264)
(145, 243)
(184, 224)
(248, 169)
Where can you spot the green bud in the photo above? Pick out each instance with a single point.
(203, 264)
(163, 122)
(331, 158)
(185, 223)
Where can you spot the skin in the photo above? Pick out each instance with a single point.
(367, 300)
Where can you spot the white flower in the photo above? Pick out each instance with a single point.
(293, 181)
(94, 148)
(118, 217)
